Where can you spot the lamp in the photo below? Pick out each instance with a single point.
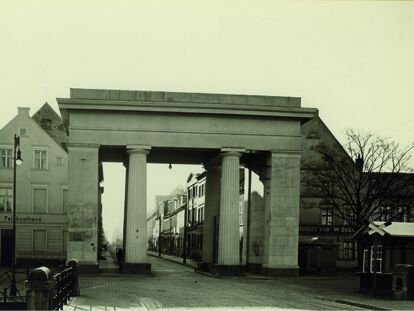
(17, 160)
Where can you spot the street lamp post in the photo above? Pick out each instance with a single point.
(17, 160)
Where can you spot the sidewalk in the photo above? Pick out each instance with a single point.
(179, 260)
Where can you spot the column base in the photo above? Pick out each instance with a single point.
(276, 272)
(136, 268)
(88, 268)
(255, 268)
(227, 270)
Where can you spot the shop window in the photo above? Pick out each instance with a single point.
(39, 240)
(326, 216)
(6, 199)
(6, 157)
(39, 200)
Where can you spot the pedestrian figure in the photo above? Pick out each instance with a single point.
(119, 257)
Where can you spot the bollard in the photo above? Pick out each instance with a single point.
(75, 276)
(40, 286)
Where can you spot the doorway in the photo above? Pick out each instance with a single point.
(6, 247)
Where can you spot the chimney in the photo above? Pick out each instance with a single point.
(23, 111)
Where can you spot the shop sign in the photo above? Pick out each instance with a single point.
(8, 218)
(326, 229)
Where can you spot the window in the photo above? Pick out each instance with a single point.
(386, 213)
(39, 240)
(46, 124)
(23, 131)
(59, 161)
(6, 199)
(40, 159)
(348, 250)
(326, 216)
(39, 200)
(349, 218)
(376, 259)
(64, 241)
(6, 157)
(65, 201)
(403, 214)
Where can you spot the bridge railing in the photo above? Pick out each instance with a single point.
(45, 291)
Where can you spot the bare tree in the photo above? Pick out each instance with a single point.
(369, 173)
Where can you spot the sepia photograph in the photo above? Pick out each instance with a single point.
(206, 155)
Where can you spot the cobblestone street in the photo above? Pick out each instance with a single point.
(174, 286)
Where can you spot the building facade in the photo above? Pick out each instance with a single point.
(41, 188)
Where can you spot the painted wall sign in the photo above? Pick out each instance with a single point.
(326, 229)
(8, 218)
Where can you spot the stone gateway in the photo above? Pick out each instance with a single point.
(219, 131)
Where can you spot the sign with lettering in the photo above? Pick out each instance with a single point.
(77, 236)
(326, 229)
(9, 218)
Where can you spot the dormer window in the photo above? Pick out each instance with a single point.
(46, 124)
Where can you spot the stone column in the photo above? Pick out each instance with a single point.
(282, 215)
(229, 231)
(125, 206)
(83, 206)
(211, 209)
(136, 214)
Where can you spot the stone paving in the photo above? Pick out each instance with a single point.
(176, 287)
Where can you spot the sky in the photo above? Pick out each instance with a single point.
(353, 60)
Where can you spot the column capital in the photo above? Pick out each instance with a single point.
(227, 152)
(134, 149)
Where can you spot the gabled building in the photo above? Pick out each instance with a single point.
(317, 217)
(41, 191)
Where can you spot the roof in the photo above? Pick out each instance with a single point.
(394, 229)
(403, 229)
(51, 123)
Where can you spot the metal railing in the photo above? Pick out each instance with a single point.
(64, 287)
(5, 284)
